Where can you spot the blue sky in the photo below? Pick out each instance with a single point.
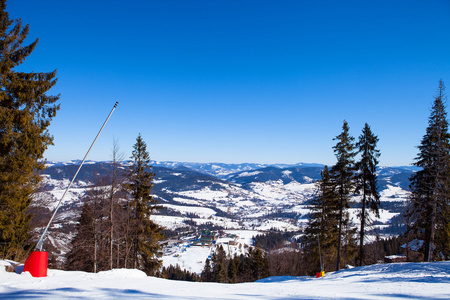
(239, 81)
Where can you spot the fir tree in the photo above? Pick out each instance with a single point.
(258, 263)
(232, 270)
(366, 183)
(145, 234)
(80, 257)
(219, 265)
(429, 209)
(342, 174)
(206, 274)
(321, 233)
(25, 114)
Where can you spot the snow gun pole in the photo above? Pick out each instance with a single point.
(320, 255)
(41, 240)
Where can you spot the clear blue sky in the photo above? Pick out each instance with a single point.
(239, 81)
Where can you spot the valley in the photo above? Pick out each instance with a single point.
(248, 198)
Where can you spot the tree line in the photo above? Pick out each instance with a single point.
(276, 260)
(332, 240)
(330, 237)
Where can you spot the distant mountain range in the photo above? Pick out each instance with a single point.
(221, 170)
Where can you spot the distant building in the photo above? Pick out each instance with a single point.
(412, 250)
(394, 259)
(207, 238)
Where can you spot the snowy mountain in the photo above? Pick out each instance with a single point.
(382, 281)
(256, 197)
(223, 170)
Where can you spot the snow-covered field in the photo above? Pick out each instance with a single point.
(383, 281)
(192, 258)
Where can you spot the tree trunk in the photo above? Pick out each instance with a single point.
(338, 260)
(363, 223)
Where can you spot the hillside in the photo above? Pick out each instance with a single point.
(383, 281)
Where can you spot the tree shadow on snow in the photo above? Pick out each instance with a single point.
(402, 296)
(73, 293)
(30, 294)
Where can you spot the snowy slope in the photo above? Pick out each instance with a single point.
(384, 281)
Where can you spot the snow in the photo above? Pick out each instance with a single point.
(206, 194)
(201, 211)
(246, 174)
(191, 258)
(383, 281)
(287, 173)
(393, 193)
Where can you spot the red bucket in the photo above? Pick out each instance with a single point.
(36, 264)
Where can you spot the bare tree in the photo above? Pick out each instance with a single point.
(116, 179)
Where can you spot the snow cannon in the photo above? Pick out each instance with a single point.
(320, 274)
(36, 264)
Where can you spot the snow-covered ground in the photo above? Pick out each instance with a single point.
(383, 281)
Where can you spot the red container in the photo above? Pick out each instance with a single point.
(36, 264)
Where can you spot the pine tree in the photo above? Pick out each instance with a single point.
(430, 187)
(342, 174)
(321, 233)
(145, 234)
(366, 183)
(25, 114)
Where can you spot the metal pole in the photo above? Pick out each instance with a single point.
(41, 240)
(320, 254)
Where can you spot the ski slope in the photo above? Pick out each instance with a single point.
(383, 281)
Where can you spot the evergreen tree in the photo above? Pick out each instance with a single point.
(321, 233)
(25, 114)
(80, 257)
(219, 265)
(258, 263)
(429, 209)
(366, 183)
(145, 234)
(175, 273)
(343, 177)
(206, 274)
(232, 270)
